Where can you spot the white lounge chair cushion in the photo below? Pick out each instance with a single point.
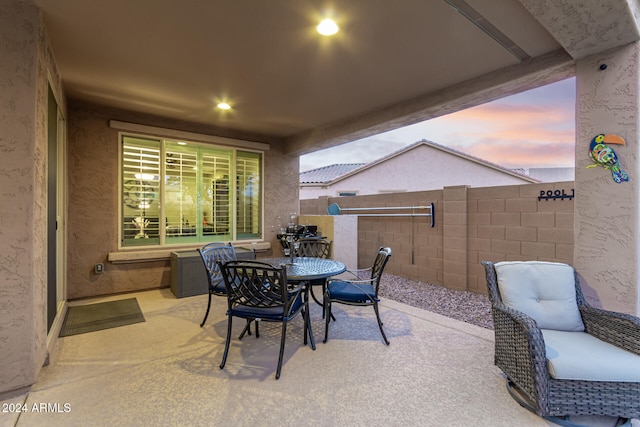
(544, 291)
(580, 356)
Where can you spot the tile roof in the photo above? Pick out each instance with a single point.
(330, 174)
(327, 174)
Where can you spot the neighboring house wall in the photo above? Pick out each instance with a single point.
(552, 174)
(471, 225)
(313, 192)
(93, 203)
(423, 167)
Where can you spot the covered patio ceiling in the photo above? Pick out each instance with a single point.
(392, 63)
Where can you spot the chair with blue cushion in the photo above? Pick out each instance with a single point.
(260, 292)
(562, 357)
(211, 254)
(358, 292)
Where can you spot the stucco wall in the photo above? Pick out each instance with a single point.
(93, 202)
(471, 225)
(418, 169)
(606, 212)
(26, 63)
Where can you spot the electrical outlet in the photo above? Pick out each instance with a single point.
(98, 268)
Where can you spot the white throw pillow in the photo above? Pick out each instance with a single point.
(544, 291)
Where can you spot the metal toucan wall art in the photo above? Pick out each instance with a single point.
(603, 155)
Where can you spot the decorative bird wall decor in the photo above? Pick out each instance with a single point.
(603, 155)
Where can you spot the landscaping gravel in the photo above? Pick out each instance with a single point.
(466, 306)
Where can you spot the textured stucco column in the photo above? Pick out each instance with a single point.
(22, 196)
(606, 213)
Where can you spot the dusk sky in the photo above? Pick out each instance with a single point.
(531, 129)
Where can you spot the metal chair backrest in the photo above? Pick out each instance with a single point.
(317, 248)
(256, 284)
(212, 254)
(378, 266)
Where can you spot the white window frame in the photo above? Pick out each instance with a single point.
(195, 139)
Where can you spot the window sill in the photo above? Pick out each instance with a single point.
(135, 256)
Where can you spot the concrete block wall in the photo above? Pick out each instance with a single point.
(510, 223)
(471, 225)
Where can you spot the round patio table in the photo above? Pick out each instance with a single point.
(306, 268)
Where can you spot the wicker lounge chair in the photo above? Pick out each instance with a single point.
(529, 362)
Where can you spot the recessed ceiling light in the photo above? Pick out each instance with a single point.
(327, 27)
(224, 106)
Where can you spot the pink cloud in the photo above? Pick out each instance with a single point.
(512, 115)
(515, 139)
(523, 153)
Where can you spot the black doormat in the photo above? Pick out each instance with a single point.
(81, 319)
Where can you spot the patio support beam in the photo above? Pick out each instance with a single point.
(536, 72)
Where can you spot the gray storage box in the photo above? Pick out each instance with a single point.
(188, 275)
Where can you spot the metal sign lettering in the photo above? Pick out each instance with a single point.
(556, 194)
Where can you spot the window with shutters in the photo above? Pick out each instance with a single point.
(180, 192)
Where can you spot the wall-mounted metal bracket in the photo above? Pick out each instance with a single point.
(334, 209)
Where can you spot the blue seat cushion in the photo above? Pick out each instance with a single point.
(351, 292)
(265, 313)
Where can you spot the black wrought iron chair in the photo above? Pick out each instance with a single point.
(361, 292)
(316, 248)
(211, 254)
(562, 356)
(260, 292)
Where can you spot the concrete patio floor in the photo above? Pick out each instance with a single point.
(165, 372)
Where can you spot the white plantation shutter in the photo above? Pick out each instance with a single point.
(216, 169)
(140, 191)
(183, 192)
(248, 195)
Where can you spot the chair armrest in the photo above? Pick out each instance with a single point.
(293, 292)
(356, 272)
(296, 287)
(619, 329)
(368, 291)
(363, 281)
(520, 351)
